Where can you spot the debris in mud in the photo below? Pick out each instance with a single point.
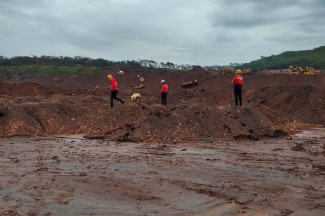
(246, 136)
(298, 147)
(55, 158)
(2, 114)
(244, 199)
(280, 133)
(189, 84)
(82, 174)
(91, 136)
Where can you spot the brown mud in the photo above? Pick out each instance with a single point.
(47, 104)
(64, 151)
(77, 176)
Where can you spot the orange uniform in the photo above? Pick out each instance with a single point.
(238, 79)
(164, 88)
(113, 84)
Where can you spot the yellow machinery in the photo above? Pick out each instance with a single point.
(293, 69)
(227, 70)
(308, 71)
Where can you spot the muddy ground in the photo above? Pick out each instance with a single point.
(64, 151)
(76, 176)
(45, 104)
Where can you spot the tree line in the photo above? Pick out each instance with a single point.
(307, 58)
(85, 61)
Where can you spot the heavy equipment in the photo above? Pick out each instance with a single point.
(298, 70)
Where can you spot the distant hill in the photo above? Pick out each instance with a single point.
(312, 58)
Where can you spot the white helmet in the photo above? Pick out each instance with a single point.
(162, 81)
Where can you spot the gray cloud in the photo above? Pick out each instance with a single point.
(185, 31)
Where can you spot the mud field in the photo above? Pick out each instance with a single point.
(76, 176)
(64, 151)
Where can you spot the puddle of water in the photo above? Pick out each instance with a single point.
(78, 138)
(298, 128)
(317, 133)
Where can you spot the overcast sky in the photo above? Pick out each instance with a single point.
(196, 32)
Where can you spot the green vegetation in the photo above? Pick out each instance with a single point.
(307, 58)
(49, 69)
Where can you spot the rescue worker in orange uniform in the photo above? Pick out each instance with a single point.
(238, 82)
(113, 87)
(164, 90)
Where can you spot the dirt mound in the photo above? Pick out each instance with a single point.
(61, 114)
(304, 103)
(204, 112)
